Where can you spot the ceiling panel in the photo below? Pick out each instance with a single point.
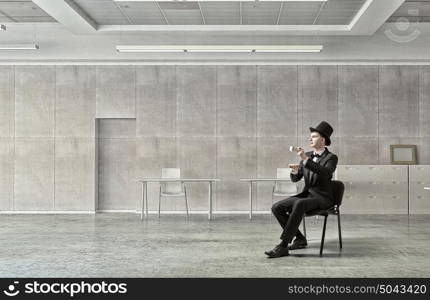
(260, 13)
(179, 5)
(184, 16)
(34, 19)
(219, 13)
(333, 19)
(182, 13)
(22, 11)
(343, 4)
(103, 12)
(143, 13)
(337, 12)
(297, 9)
(299, 13)
(109, 12)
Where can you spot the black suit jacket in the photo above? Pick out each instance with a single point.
(317, 176)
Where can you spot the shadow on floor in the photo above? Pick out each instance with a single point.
(352, 247)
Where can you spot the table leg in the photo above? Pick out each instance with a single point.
(146, 199)
(210, 201)
(143, 200)
(250, 200)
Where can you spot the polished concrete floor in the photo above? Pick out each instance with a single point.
(120, 245)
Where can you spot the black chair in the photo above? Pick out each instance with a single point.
(338, 189)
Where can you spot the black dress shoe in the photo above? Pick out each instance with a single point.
(279, 252)
(271, 252)
(298, 244)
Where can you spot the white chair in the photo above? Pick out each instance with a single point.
(283, 188)
(173, 188)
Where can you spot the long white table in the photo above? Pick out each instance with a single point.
(251, 180)
(145, 182)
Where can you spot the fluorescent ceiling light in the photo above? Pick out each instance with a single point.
(289, 48)
(2, 27)
(219, 48)
(19, 47)
(137, 48)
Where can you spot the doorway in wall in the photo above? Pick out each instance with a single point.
(117, 188)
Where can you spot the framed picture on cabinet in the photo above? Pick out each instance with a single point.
(403, 154)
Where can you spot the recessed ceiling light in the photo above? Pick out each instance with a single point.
(19, 47)
(219, 48)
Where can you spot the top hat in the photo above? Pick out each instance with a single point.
(325, 130)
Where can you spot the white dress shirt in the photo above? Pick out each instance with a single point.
(305, 160)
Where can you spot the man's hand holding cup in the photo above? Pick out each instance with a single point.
(300, 152)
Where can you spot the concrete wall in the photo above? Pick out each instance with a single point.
(223, 121)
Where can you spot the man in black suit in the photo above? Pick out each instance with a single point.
(317, 168)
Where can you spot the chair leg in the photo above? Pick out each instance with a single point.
(323, 235)
(304, 225)
(159, 203)
(340, 230)
(186, 200)
(270, 210)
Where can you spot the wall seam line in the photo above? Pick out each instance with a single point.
(55, 125)
(256, 134)
(337, 108)
(176, 125)
(419, 101)
(178, 115)
(216, 136)
(297, 105)
(377, 118)
(14, 137)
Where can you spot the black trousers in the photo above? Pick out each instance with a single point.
(290, 212)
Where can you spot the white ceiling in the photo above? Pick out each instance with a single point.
(66, 30)
(22, 12)
(331, 17)
(109, 12)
